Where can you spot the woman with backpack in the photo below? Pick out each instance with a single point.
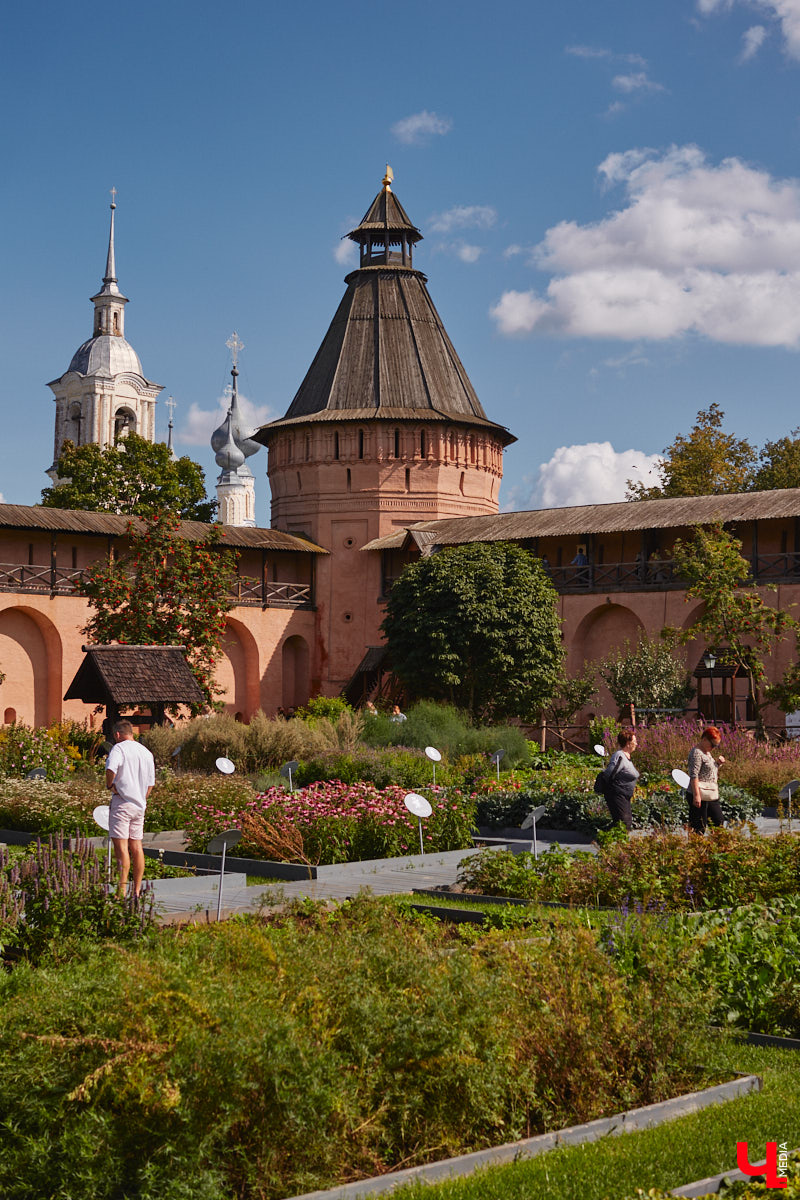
(619, 779)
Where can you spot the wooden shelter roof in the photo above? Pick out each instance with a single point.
(128, 675)
(37, 516)
(624, 516)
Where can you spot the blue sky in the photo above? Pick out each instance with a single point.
(609, 192)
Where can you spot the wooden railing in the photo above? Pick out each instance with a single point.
(63, 581)
(651, 575)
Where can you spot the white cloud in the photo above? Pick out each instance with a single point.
(590, 52)
(638, 81)
(200, 423)
(463, 216)
(593, 473)
(752, 40)
(346, 253)
(467, 253)
(785, 12)
(694, 248)
(420, 126)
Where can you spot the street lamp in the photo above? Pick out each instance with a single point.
(710, 662)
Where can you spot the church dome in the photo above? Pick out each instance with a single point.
(106, 355)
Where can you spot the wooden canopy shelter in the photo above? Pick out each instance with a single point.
(125, 677)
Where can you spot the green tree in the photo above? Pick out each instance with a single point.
(135, 477)
(166, 591)
(736, 621)
(780, 464)
(570, 695)
(477, 625)
(710, 462)
(650, 674)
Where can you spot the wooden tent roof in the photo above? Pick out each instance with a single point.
(624, 516)
(386, 355)
(128, 675)
(385, 213)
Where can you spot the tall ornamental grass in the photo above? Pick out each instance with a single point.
(254, 1061)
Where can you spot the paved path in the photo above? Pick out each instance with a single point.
(196, 897)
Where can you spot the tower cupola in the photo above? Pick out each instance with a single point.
(385, 236)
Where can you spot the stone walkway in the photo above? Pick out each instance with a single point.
(195, 898)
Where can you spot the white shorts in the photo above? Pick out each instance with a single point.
(126, 820)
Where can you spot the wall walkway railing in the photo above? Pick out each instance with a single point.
(63, 581)
(652, 575)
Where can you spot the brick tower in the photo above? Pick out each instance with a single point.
(385, 430)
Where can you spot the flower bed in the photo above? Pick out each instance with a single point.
(658, 804)
(334, 822)
(664, 871)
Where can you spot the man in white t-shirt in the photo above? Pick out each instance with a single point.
(130, 775)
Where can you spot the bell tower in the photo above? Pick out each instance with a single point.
(103, 393)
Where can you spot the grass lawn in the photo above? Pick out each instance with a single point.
(674, 1154)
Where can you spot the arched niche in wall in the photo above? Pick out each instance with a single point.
(295, 671)
(237, 671)
(30, 657)
(604, 629)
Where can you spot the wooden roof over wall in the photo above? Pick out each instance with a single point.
(56, 520)
(130, 675)
(624, 516)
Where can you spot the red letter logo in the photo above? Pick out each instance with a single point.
(768, 1169)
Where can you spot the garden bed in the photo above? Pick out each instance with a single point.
(632, 1121)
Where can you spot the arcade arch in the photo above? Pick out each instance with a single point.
(237, 671)
(31, 657)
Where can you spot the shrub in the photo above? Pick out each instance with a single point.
(658, 805)
(449, 730)
(664, 870)
(382, 767)
(23, 750)
(363, 1042)
(749, 957)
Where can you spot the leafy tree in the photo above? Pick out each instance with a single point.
(167, 591)
(134, 477)
(709, 462)
(736, 622)
(780, 464)
(651, 674)
(477, 625)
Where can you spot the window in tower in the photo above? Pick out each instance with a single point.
(308, 448)
(74, 426)
(336, 445)
(299, 482)
(74, 558)
(408, 479)
(361, 443)
(461, 483)
(349, 479)
(423, 448)
(116, 323)
(397, 443)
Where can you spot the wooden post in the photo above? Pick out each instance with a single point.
(543, 741)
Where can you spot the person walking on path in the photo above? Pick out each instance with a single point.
(703, 790)
(130, 776)
(619, 779)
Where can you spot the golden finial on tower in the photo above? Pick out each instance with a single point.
(387, 179)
